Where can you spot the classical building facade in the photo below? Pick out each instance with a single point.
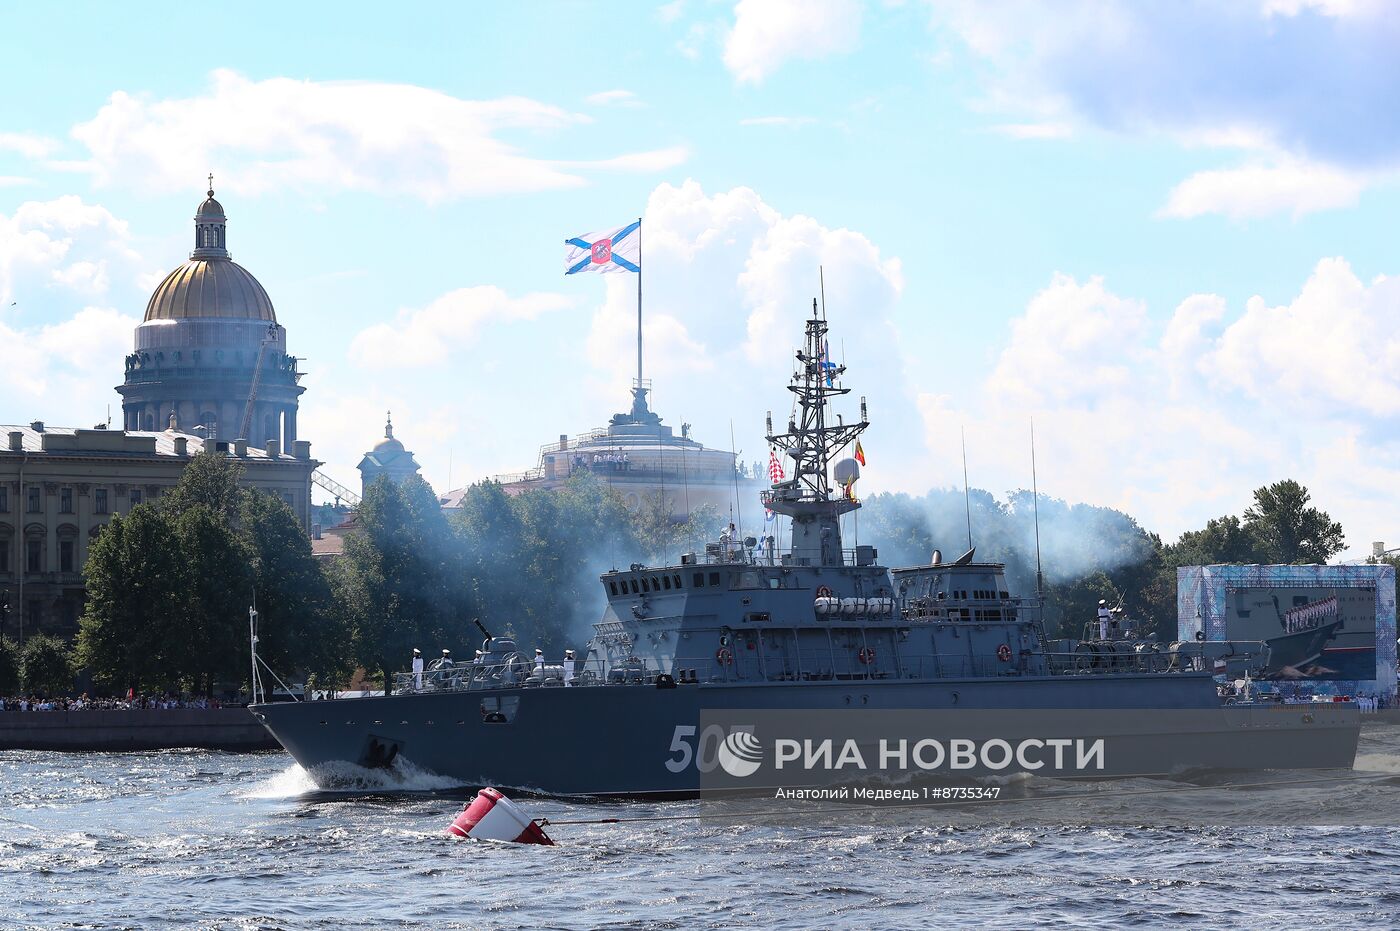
(209, 343)
(210, 352)
(389, 457)
(59, 487)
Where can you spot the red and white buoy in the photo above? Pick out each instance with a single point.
(492, 816)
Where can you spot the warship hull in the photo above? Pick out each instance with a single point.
(628, 741)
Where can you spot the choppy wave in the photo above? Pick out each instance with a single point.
(213, 840)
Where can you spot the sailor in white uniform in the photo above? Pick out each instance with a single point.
(417, 669)
(1103, 619)
(539, 663)
(568, 668)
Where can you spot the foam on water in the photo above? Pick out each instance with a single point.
(403, 776)
(289, 783)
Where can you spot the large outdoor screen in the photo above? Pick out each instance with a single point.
(1313, 632)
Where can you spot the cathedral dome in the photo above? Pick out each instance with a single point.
(210, 284)
(210, 288)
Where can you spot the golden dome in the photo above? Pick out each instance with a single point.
(210, 288)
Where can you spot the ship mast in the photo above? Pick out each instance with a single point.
(811, 442)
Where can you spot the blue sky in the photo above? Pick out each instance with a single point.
(1164, 230)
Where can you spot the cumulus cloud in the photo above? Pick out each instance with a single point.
(63, 372)
(353, 135)
(429, 335)
(1176, 422)
(1255, 191)
(62, 249)
(1305, 86)
(766, 33)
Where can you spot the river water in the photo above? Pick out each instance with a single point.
(193, 839)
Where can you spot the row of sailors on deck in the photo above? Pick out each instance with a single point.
(442, 669)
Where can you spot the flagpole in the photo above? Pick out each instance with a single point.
(639, 303)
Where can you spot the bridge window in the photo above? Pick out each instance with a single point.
(655, 584)
(667, 580)
(612, 587)
(677, 577)
(698, 580)
(714, 578)
(645, 586)
(635, 590)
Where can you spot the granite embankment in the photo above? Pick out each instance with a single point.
(137, 729)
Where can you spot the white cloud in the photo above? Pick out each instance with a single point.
(28, 145)
(1304, 86)
(1255, 191)
(63, 372)
(766, 33)
(614, 98)
(670, 12)
(353, 135)
(1176, 424)
(429, 335)
(14, 181)
(62, 245)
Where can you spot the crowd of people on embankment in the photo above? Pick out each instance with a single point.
(87, 703)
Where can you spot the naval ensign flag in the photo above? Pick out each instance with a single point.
(618, 250)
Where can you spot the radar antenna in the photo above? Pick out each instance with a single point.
(810, 442)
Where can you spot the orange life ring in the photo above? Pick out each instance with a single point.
(823, 592)
(1004, 653)
(866, 655)
(724, 656)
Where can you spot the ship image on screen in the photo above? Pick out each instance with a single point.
(1312, 632)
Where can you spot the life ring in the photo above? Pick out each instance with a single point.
(1004, 653)
(823, 592)
(866, 655)
(724, 656)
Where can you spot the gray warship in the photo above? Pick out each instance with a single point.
(808, 632)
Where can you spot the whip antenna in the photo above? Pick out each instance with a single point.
(1035, 505)
(967, 499)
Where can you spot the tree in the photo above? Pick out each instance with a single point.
(46, 666)
(131, 622)
(210, 640)
(210, 479)
(9, 666)
(403, 582)
(1287, 530)
(300, 627)
(1223, 540)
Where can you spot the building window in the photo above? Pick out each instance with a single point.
(99, 501)
(291, 501)
(65, 555)
(33, 499)
(34, 555)
(135, 497)
(65, 501)
(4, 556)
(4, 499)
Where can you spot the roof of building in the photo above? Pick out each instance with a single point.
(210, 288)
(117, 443)
(210, 207)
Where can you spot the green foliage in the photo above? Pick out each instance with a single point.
(9, 666)
(209, 480)
(135, 578)
(45, 666)
(299, 624)
(1287, 530)
(403, 582)
(169, 586)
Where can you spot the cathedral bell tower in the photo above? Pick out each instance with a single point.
(210, 355)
